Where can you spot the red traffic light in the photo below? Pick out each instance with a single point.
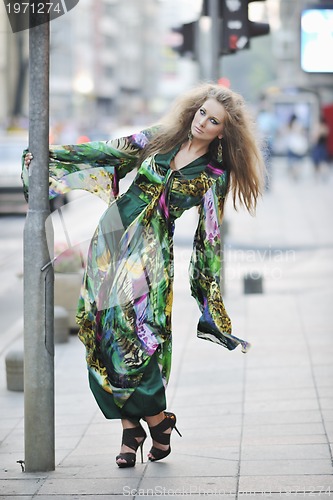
(237, 29)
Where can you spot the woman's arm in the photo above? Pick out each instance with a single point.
(93, 166)
(206, 270)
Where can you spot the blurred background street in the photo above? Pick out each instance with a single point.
(121, 64)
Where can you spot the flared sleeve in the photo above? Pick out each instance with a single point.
(95, 167)
(205, 270)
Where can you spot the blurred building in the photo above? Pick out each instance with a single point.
(105, 70)
(112, 63)
(13, 75)
(105, 60)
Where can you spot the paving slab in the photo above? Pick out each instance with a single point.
(19, 486)
(327, 415)
(286, 405)
(288, 440)
(291, 467)
(86, 486)
(202, 465)
(286, 452)
(15, 497)
(284, 429)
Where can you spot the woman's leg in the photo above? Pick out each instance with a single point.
(160, 427)
(153, 421)
(133, 436)
(128, 424)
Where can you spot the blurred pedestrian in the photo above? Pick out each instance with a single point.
(297, 146)
(204, 148)
(267, 125)
(319, 151)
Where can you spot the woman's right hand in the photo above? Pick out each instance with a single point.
(27, 159)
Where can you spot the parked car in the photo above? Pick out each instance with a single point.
(11, 192)
(12, 200)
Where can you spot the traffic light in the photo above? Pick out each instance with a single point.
(237, 29)
(235, 25)
(187, 43)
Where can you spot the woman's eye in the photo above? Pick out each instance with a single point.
(202, 111)
(214, 121)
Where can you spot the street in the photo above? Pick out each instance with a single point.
(11, 268)
(260, 423)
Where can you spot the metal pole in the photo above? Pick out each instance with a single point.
(38, 285)
(213, 10)
(215, 40)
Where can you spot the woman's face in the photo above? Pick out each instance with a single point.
(208, 121)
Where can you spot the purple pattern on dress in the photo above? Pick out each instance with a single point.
(214, 170)
(212, 226)
(140, 139)
(163, 205)
(144, 333)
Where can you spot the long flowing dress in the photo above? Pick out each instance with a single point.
(124, 311)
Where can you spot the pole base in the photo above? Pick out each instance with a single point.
(253, 283)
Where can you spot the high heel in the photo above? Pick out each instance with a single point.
(130, 439)
(159, 435)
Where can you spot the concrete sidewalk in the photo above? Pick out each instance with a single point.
(259, 424)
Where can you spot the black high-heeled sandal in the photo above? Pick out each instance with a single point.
(130, 439)
(159, 435)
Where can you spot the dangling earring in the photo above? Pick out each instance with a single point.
(219, 151)
(190, 136)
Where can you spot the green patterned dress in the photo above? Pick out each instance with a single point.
(124, 311)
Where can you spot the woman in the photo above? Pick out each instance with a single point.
(200, 150)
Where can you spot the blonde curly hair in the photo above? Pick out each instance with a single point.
(241, 151)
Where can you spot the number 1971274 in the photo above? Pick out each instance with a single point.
(35, 8)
